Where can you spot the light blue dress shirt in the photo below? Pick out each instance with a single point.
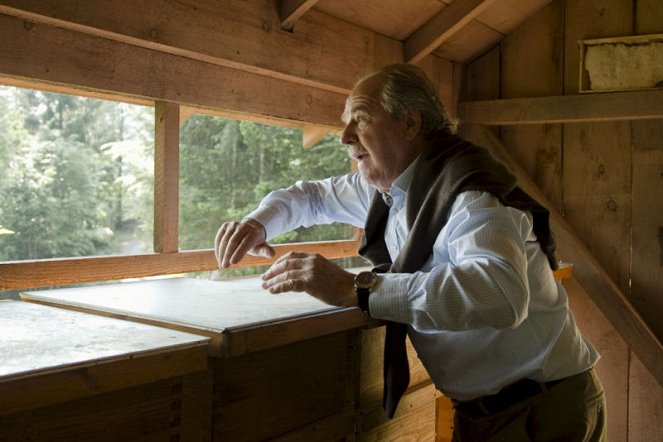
(484, 311)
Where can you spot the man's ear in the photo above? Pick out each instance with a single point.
(412, 123)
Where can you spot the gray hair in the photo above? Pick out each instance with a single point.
(406, 87)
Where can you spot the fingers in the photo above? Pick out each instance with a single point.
(286, 274)
(264, 250)
(236, 239)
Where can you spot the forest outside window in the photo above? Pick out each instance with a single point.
(85, 194)
(228, 166)
(77, 176)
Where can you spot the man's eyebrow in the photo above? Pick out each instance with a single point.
(348, 111)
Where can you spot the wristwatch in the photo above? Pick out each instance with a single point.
(364, 282)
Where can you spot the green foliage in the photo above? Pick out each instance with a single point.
(77, 175)
(227, 167)
(65, 190)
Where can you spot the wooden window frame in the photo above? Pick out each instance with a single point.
(166, 259)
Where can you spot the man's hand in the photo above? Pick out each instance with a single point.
(313, 274)
(236, 239)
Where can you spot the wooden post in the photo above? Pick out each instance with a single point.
(166, 176)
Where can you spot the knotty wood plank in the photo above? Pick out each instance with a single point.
(587, 270)
(63, 56)
(443, 25)
(40, 273)
(613, 106)
(250, 31)
(166, 176)
(597, 192)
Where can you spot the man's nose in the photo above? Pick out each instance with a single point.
(348, 136)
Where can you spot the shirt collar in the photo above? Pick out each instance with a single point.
(400, 185)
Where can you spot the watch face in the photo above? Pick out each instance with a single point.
(365, 280)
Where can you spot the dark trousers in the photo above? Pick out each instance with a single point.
(570, 410)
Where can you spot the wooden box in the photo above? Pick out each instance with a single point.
(279, 366)
(73, 376)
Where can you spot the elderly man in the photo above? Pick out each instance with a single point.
(464, 263)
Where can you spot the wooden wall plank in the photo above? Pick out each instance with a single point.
(585, 19)
(532, 56)
(321, 51)
(645, 405)
(441, 73)
(648, 17)
(535, 48)
(647, 223)
(597, 192)
(483, 78)
(613, 367)
(67, 57)
(166, 176)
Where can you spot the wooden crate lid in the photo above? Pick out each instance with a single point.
(48, 355)
(239, 315)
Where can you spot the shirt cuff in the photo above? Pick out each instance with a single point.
(388, 300)
(269, 217)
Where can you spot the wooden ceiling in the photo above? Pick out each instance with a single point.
(457, 30)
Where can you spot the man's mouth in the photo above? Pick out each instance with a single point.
(358, 156)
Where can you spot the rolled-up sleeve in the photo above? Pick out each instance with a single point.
(338, 199)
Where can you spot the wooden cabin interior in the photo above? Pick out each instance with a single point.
(568, 93)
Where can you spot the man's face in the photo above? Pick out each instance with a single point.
(380, 144)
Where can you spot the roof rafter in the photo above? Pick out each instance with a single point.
(291, 10)
(442, 26)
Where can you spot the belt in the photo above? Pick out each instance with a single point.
(507, 397)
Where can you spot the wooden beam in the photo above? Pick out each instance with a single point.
(313, 134)
(442, 26)
(166, 176)
(587, 271)
(243, 35)
(39, 273)
(65, 57)
(608, 106)
(291, 10)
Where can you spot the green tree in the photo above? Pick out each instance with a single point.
(65, 190)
